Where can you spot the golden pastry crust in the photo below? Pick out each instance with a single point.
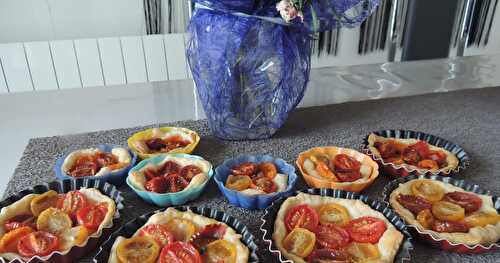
(321, 182)
(451, 159)
(388, 244)
(242, 252)
(477, 235)
(22, 207)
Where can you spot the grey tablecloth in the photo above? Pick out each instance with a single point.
(470, 118)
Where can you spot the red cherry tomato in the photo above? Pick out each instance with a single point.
(411, 156)
(345, 163)
(159, 233)
(326, 255)
(92, 216)
(387, 149)
(450, 226)
(150, 173)
(302, 216)
(155, 144)
(170, 167)
(19, 221)
(421, 147)
(157, 185)
(348, 176)
(179, 252)
(414, 203)
(265, 184)
(104, 159)
(468, 201)
(207, 235)
(331, 236)
(366, 229)
(175, 183)
(37, 244)
(71, 202)
(190, 171)
(244, 169)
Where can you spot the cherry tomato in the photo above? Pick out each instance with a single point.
(427, 189)
(468, 201)
(220, 251)
(175, 183)
(324, 171)
(138, 250)
(422, 147)
(180, 252)
(72, 202)
(104, 159)
(170, 167)
(43, 201)
(450, 226)
(265, 184)
(300, 242)
(159, 233)
(207, 235)
(348, 176)
(38, 243)
(413, 203)
(182, 229)
(190, 171)
(366, 229)
(268, 169)
(92, 216)
(345, 163)
(363, 252)
(8, 242)
(19, 221)
(157, 185)
(448, 211)
(175, 141)
(302, 216)
(331, 236)
(326, 255)
(238, 182)
(428, 164)
(54, 221)
(425, 218)
(482, 219)
(84, 165)
(388, 149)
(333, 214)
(394, 160)
(244, 169)
(438, 156)
(411, 156)
(74, 236)
(155, 144)
(150, 173)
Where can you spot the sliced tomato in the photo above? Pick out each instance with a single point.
(73, 237)
(155, 144)
(427, 189)
(331, 236)
(438, 156)
(84, 165)
(345, 163)
(138, 249)
(425, 218)
(244, 169)
(363, 252)
(447, 211)
(54, 221)
(324, 171)
(38, 243)
(220, 251)
(92, 216)
(159, 233)
(182, 229)
(333, 214)
(43, 201)
(105, 159)
(238, 182)
(302, 216)
(71, 202)
(413, 203)
(268, 169)
(428, 164)
(411, 156)
(450, 226)
(265, 184)
(207, 235)
(175, 183)
(389, 149)
(157, 185)
(170, 167)
(366, 229)
(151, 173)
(189, 171)
(8, 242)
(19, 221)
(180, 252)
(348, 176)
(326, 255)
(468, 201)
(482, 219)
(300, 242)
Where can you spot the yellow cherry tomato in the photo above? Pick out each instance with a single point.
(482, 219)
(54, 221)
(74, 236)
(300, 242)
(220, 251)
(333, 214)
(41, 202)
(425, 218)
(139, 249)
(238, 182)
(427, 189)
(182, 229)
(444, 210)
(363, 252)
(8, 242)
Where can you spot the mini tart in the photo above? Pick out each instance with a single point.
(163, 132)
(451, 159)
(22, 207)
(122, 154)
(242, 251)
(388, 245)
(322, 182)
(486, 235)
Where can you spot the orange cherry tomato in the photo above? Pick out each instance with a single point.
(300, 242)
(265, 184)
(450, 226)
(428, 164)
(43, 201)
(159, 233)
(180, 252)
(366, 229)
(326, 255)
(244, 169)
(8, 242)
(324, 171)
(268, 169)
(482, 219)
(19, 221)
(71, 202)
(448, 211)
(363, 252)
(345, 163)
(92, 216)
(38, 243)
(189, 171)
(427, 189)
(468, 201)
(425, 218)
(438, 156)
(413, 203)
(331, 236)
(302, 216)
(238, 182)
(220, 251)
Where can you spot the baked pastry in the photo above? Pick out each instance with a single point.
(447, 212)
(59, 222)
(256, 179)
(173, 235)
(412, 154)
(337, 168)
(313, 228)
(173, 174)
(162, 140)
(94, 162)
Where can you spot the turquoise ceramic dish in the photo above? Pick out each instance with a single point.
(168, 199)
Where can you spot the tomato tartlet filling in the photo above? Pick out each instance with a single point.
(170, 177)
(418, 154)
(256, 178)
(339, 168)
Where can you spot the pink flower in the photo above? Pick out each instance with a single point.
(288, 11)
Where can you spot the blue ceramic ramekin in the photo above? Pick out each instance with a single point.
(168, 199)
(116, 178)
(253, 201)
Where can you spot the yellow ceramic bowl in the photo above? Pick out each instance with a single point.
(321, 182)
(146, 134)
